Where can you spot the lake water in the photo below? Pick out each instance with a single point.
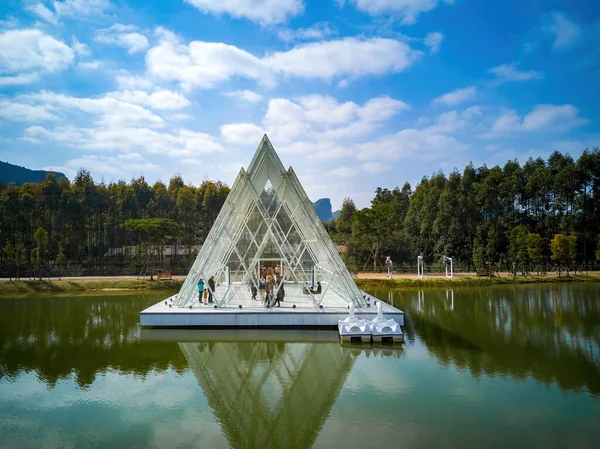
(484, 368)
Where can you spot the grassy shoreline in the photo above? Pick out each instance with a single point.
(116, 285)
(87, 286)
(472, 281)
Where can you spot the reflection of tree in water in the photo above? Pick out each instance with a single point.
(268, 394)
(549, 333)
(56, 337)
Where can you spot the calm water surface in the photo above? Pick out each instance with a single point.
(487, 368)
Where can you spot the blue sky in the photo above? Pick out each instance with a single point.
(354, 94)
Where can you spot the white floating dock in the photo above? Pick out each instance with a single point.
(254, 314)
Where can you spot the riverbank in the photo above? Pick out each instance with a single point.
(103, 285)
(95, 285)
(438, 281)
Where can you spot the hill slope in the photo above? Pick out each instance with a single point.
(10, 173)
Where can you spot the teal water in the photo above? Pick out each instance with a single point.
(495, 367)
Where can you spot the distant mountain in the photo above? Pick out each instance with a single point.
(10, 173)
(323, 209)
(336, 214)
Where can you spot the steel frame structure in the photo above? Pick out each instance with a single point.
(267, 214)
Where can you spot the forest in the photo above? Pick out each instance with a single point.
(84, 228)
(539, 214)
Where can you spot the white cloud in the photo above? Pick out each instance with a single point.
(326, 119)
(161, 99)
(425, 144)
(245, 95)
(126, 139)
(285, 120)
(457, 96)
(433, 41)
(509, 72)
(318, 31)
(112, 166)
(382, 108)
(43, 12)
(566, 33)
(20, 112)
(319, 108)
(79, 48)
(104, 111)
(126, 81)
(76, 9)
(316, 126)
(28, 53)
(166, 99)
(546, 115)
(201, 64)
(241, 133)
(205, 64)
(407, 10)
(375, 167)
(9, 23)
(542, 117)
(350, 56)
(343, 172)
(16, 80)
(89, 65)
(263, 11)
(125, 36)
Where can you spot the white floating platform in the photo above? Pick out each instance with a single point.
(254, 314)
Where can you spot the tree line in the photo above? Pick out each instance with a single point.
(81, 227)
(530, 216)
(541, 213)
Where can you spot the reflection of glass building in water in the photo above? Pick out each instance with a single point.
(269, 394)
(269, 226)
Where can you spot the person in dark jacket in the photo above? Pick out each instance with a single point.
(253, 288)
(280, 293)
(211, 288)
(318, 290)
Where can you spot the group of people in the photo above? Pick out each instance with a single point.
(270, 286)
(205, 292)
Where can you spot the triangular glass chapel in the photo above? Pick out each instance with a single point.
(268, 225)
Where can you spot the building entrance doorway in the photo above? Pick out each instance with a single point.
(273, 267)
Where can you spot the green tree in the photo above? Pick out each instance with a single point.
(20, 258)
(598, 248)
(344, 221)
(38, 254)
(152, 233)
(518, 244)
(477, 254)
(9, 253)
(564, 250)
(535, 247)
(572, 247)
(60, 260)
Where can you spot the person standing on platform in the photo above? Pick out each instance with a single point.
(211, 289)
(253, 289)
(269, 289)
(280, 292)
(200, 290)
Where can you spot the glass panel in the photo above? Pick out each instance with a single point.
(268, 220)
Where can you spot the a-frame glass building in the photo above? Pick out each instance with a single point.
(268, 226)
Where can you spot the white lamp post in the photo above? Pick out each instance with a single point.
(446, 260)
